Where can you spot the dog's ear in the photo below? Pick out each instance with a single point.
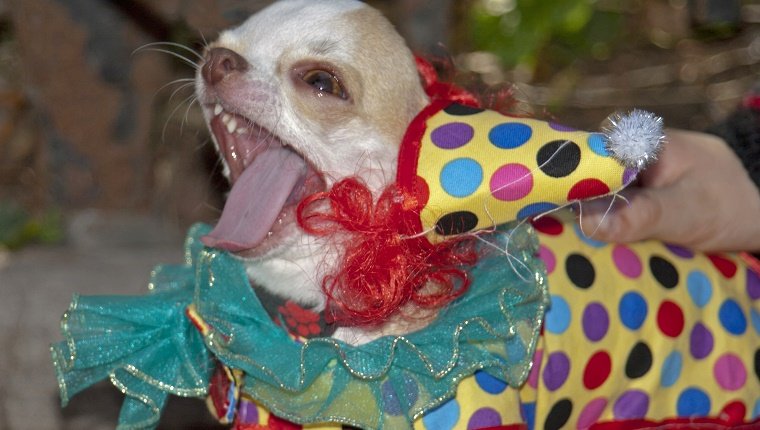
(475, 169)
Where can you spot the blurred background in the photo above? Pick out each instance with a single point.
(105, 159)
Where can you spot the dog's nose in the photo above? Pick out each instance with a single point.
(220, 63)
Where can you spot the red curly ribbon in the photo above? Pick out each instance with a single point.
(385, 264)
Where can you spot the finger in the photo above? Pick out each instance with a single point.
(641, 215)
(673, 162)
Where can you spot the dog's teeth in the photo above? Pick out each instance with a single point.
(232, 125)
(226, 118)
(218, 109)
(241, 130)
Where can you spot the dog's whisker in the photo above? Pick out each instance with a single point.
(183, 81)
(181, 57)
(187, 113)
(171, 115)
(171, 44)
(180, 88)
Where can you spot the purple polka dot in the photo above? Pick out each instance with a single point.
(247, 413)
(560, 127)
(556, 371)
(629, 175)
(753, 284)
(633, 404)
(729, 372)
(626, 261)
(536, 366)
(700, 341)
(483, 418)
(511, 182)
(547, 256)
(591, 413)
(452, 135)
(680, 251)
(596, 321)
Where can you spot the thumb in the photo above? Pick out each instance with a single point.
(638, 215)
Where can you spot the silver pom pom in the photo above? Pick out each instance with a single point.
(635, 139)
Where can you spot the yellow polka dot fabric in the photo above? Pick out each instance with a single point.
(482, 169)
(636, 335)
(644, 332)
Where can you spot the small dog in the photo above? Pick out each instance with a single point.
(303, 94)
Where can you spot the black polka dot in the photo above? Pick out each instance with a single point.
(639, 361)
(664, 271)
(558, 415)
(757, 364)
(462, 110)
(559, 158)
(580, 270)
(456, 223)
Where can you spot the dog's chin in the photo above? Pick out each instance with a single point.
(269, 179)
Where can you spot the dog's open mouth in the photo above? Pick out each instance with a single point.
(268, 179)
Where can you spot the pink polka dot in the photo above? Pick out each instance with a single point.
(729, 372)
(535, 370)
(511, 182)
(626, 261)
(591, 413)
(547, 256)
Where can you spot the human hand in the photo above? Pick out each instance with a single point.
(697, 194)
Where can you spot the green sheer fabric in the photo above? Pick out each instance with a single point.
(149, 349)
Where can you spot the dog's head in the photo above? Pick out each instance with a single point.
(303, 94)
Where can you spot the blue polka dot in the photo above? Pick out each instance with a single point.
(443, 417)
(489, 384)
(693, 402)
(395, 400)
(515, 348)
(671, 369)
(756, 410)
(732, 317)
(700, 288)
(633, 310)
(510, 135)
(535, 209)
(598, 143)
(529, 415)
(755, 315)
(461, 177)
(589, 241)
(558, 316)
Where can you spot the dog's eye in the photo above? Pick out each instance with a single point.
(324, 82)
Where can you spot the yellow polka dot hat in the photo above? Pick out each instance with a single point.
(472, 169)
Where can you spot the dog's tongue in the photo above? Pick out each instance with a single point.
(256, 200)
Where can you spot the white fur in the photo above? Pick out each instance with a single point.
(380, 75)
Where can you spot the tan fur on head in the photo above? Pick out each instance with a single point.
(358, 134)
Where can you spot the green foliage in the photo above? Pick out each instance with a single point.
(18, 228)
(543, 33)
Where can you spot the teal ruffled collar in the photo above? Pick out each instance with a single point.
(148, 348)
